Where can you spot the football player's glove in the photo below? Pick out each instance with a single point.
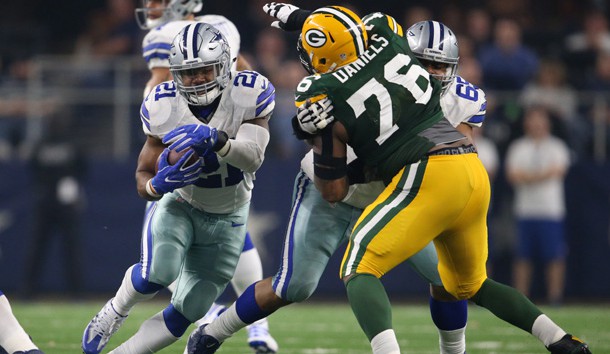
(170, 177)
(199, 137)
(313, 117)
(290, 17)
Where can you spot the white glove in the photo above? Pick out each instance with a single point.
(314, 117)
(279, 10)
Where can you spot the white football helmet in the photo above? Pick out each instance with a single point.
(173, 10)
(200, 62)
(435, 42)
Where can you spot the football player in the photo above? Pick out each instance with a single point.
(402, 137)
(164, 19)
(13, 338)
(195, 230)
(317, 229)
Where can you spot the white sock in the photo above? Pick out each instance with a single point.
(452, 342)
(385, 343)
(249, 270)
(546, 330)
(225, 325)
(152, 336)
(127, 296)
(12, 336)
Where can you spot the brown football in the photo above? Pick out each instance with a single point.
(173, 157)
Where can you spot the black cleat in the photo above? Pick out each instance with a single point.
(201, 343)
(569, 345)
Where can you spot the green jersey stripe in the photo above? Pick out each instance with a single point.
(406, 190)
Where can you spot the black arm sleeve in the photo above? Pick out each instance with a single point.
(298, 132)
(355, 172)
(296, 20)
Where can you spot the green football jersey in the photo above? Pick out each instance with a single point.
(384, 99)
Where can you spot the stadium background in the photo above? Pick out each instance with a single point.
(54, 45)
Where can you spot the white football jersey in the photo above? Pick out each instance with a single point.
(221, 188)
(462, 103)
(157, 42)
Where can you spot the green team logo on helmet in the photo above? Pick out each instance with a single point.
(315, 38)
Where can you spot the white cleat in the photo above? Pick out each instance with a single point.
(211, 315)
(259, 338)
(101, 328)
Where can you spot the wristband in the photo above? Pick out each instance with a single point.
(221, 141)
(151, 190)
(224, 150)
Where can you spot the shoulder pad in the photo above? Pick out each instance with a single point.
(312, 88)
(159, 110)
(464, 103)
(253, 93)
(157, 43)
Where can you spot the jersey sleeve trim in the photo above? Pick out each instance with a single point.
(156, 50)
(145, 115)
(478, 118)
(394, 26)
(265, 98)
(312, 99)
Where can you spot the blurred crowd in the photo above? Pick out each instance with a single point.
(549, 55)
(523, 53)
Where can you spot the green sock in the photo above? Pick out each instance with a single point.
(370, 304)
(507, 304)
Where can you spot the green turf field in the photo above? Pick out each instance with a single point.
(321, 328)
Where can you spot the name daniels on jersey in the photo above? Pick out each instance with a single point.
(349, 70)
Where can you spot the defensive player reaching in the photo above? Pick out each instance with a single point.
(317, 229)
(195, 231)
(13, 338)
(164, 19)
(387, 107)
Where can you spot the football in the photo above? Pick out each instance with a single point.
(173, 157)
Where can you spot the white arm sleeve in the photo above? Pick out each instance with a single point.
(247, 150)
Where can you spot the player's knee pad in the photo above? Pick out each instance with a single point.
(193, 302)
(301, 290)
(464, 292)
(165, 265)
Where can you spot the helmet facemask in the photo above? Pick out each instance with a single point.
(206, 92)
(429, 59)
(304, 57)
